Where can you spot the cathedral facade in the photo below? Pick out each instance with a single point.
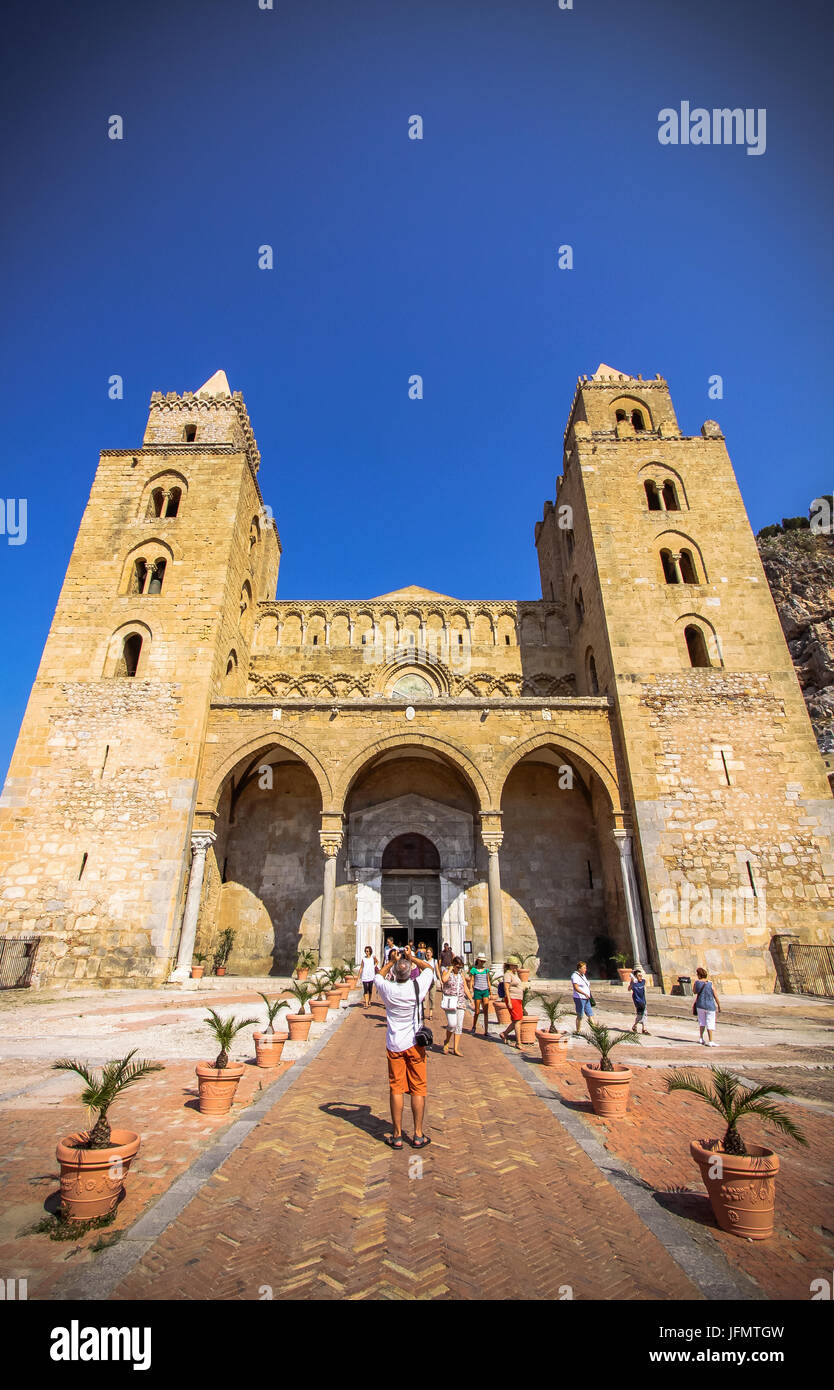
(197, 756)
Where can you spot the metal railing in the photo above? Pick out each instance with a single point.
(17, 960)
(810, 969)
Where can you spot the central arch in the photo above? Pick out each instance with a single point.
(445, 750)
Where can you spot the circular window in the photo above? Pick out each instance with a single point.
(412, 687)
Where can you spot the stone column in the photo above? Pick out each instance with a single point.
(676, 567)
(632, 900)
(492, 840)
(200, 842)
(330, 844)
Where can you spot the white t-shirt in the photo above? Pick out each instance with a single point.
(368, 969)
(401, 1012)
(580, 985)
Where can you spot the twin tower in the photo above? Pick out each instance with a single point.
(696, 824)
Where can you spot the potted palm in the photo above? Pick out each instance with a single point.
(330, 986)
(740, 1178)
(526, 965)
(341, 981)
(305, 963)
(224, 950)
(552, 1042)
(526, 1030)
(199, 965)
(218, 1080)
(300, 1024)
(269, 1045)
(318, 1002)
(94, 1162)
(608, 1082)
(621, 960)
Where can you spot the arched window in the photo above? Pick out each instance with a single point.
(637, 420)
(670, 573)
(190, 434)
(593, 682)
(230, 673)
(157, 574)
(653, 496)
(156, 502)
(569, 542)
(621, 416)
(696, 646)
(128, 662)
(172, 506)
(139, 577)
(689, 573)
(254, 535)
(579, 606)
(670, 496)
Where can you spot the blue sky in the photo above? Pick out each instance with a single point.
(393, 257)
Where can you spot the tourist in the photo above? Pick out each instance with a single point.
(406, 1059)
(456, 991)
(367, 974)
(446, 956)
(638, 995)
(479, 979)
(421, 950)
(428, 1006)
(706, 1006)
(582, 999)
(389, 946)
(513, 996)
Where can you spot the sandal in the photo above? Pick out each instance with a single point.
(421, 1142)
(394, 1141)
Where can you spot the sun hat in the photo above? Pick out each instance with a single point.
(480, 956)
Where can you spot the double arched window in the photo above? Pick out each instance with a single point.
(661, 497)
(164, 502)
(679, 567)
(148, 575)
(627, 410)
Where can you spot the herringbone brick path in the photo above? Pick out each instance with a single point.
(501, 1205)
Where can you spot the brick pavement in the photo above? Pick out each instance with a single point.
(653, 1138)
(501, 1205)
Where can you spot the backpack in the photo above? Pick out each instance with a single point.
(502, 993)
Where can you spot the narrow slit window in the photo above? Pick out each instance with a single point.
(84, 859)
(590, 874)
(751, 878)
(190, 434)
(726, 769)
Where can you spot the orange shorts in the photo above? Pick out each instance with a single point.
(407, 1071)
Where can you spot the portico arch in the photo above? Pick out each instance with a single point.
(575, 749)
(213, 780)
(445, 750)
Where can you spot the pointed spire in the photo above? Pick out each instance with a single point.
(216, 385)
(603, 372)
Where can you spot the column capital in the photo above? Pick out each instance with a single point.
(330, 843)
(492, 839)
(622, 839)
(201, 840)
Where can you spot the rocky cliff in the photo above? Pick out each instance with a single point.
(799, 565)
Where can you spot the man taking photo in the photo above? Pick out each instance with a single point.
(402, 998)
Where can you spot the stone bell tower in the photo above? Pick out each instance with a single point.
(154, 620)
(670, 614)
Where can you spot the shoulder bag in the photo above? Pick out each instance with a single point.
(424, 1037)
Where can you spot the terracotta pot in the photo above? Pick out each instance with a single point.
(92, 1180)
(554, 1047)
(742, 1190)
(221, 970)
(344, 991)
(608, 1090)
(217, 1086)
(350, 981)
(302, 973)
(333, 998)
(319, 1010)
(299, 1026)
(268, 1048)
(625, 975)
(526, 1030)
(197, 972)
(502, 1013)
(524, 976)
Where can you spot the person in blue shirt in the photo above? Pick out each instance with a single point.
(638, 994)
(706, 1006)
